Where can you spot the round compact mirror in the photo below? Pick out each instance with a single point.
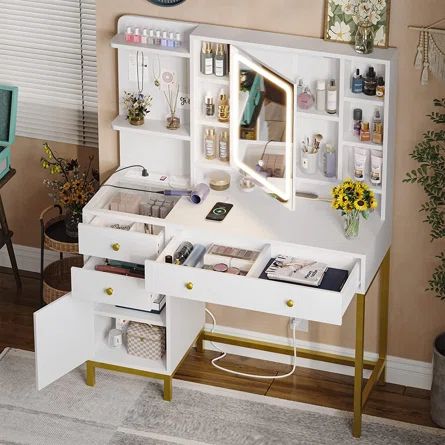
(166, 2)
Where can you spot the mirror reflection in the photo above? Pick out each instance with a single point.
(264, 145)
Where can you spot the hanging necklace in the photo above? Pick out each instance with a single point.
(157, 74)
(140, 67)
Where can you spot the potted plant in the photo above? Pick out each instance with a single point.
(137, 106)
(353, 198)
(72, 189)
(430, 154)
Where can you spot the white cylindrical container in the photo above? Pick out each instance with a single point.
(321, 95)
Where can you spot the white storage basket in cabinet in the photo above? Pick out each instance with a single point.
(144, 340)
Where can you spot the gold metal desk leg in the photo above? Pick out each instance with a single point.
(200, 342)
(358, 377)
(168, 388)
(91, 374)
(383, 312)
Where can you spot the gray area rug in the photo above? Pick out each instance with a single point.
(124, 409)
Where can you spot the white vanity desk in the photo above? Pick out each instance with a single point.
(74, 329)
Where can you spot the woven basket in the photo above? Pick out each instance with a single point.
(57, 278)
(59, 246)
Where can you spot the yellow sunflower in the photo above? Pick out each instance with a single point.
(360, 205)
(373, 203)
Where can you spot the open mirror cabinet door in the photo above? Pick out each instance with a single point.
(262, 125)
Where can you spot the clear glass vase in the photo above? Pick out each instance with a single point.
(351, 224)
(72, 220)
(364, 38)
(173, 122)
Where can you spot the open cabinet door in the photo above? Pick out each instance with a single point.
(63, 338)
(262, 125)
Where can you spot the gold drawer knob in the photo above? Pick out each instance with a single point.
(189, 285)
(116, 247)
(109, 291)
(290, 303)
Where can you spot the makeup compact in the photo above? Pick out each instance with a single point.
(219, 181)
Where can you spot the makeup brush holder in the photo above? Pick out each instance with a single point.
(309, 162)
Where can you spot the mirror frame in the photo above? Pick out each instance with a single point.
(236, 57)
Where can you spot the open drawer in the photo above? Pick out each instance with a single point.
(104, 287)
(122, 240)
(250, 291)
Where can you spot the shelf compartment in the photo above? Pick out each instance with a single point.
(211, 78)
(214, 164)
(118, 41)
(108, 310)
(316, 178)
(315, 114)
(363, 98)
(214, 123)
(350, 142)
(152, 127)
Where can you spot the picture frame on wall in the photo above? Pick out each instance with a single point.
(342, 17)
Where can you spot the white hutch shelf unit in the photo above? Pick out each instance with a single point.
(74, 329)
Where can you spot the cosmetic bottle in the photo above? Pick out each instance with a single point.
(305, 100)
(220, 61)
(357, 82)
(136, 36)
(329, 161)
(144, 37)
(171, 40)
(209, 106)
(223, 107)
(321, 95)
(223, 147)
(357, 121)
(360, 161)
(370, 83)
(365, 134)
(210, 143)
(331, 98)
(376, 167)
(206, 58)
(300, 86)
(377, 128)
(178, 40)
(164, 39)
(380, 90)
(157, 40)
(182, 252)
(129, 35)
(151, 37)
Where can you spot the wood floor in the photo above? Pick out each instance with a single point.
(309, 386)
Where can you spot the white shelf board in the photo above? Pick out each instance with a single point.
(153, 127)
(350, 142)
(120, 357)
(118, 41)
(214, 164)
(361, 97)
(109, 310)
(211, 78)
(316, 178)
(315, 114)
(212, 122)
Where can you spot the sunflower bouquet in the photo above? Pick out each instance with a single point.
(353, 198)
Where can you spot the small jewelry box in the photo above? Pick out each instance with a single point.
(144, 340)
(8, 115)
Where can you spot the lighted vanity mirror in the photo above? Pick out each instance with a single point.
(262, 124)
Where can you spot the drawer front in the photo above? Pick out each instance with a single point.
(252, 293)
(103, 287)
(104, 242)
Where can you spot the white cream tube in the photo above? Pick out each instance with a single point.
(376, 167)
(360, 159)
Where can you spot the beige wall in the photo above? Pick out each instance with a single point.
(415, 316)
(25, 196)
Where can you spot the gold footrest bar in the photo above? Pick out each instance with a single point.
(285, 349)
(373, 380)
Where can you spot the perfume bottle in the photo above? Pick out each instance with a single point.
(206, 58)
(365, 134)
(377, 128)
(220, 61)
(357, 82)
(136, 36)
(210, 143)
(223, 107)
(321, 95)
(380, 90)
(357, 122)
(223, 147)
(331, 98)
(370, 83)
(305, 100)
(209, 106)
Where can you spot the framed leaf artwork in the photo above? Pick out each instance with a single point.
(342, 17)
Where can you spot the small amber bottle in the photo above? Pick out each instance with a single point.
(223, 107)
(365, 134)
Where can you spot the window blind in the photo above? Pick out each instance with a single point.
(48, 50)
